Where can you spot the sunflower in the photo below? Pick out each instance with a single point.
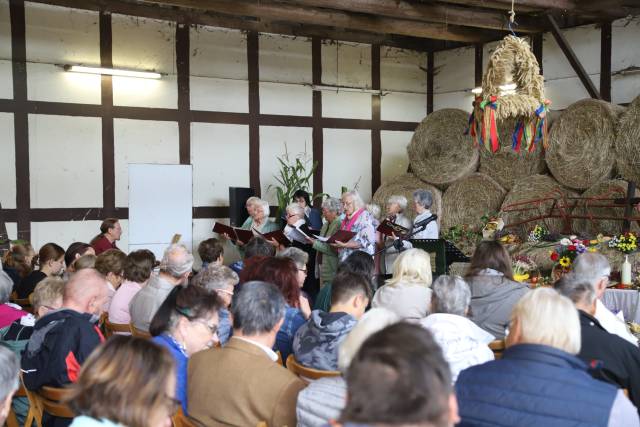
(565, 261)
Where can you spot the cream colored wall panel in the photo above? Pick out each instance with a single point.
(202, 231)
(346, 64)
(211, 94)
(400, 70)
(5, 30)
(60, 35)
(350, 105)
(275, 141)
(6, 80)
(220, 159)
(564, 92)
(403, 107)
(7, 162)
(347, 161)
(277, 98)
(625, 88)
(46, 82)
(625, 34)
(154, 93)
(142, 141)
(461, 100)
(453, 70)
(218, 52)
(285, 59)
(64, 233)
(65, 161)
(394, 153)
(585, 42)
(12, 230)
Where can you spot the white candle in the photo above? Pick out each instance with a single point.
(625, 273)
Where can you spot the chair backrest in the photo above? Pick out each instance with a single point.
(262, 424)
(112, 328)
(51, 399)
(25, 303)
(35, 406)
(498, 347)
(307, 374)
(139, 332)
(179, 419)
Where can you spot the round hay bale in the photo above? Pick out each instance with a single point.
(440, 153)
(611, 189)
(533, 188)
(506, 166)
(468, 199)
(627, 146)
(581, 143)
(405, 185)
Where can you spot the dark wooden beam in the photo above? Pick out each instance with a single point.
(306, 15)
(106, 96)
(183, 54)
(605, 61)
(478, 64)
(376, 141)
(430, 73)
(520, 5)
(536, 46)
(425, 12)
(573, 59)
(253, 68)
(316, 112)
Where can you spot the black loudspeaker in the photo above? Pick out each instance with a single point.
(237, 198)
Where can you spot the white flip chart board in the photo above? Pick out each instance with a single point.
(160, 205)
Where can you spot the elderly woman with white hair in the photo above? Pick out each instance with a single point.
(463, 343)
(298, 231)
(396, 205)
(360, 221)
(422, 201)
(259, 220)
(327, 256)
(324, 399)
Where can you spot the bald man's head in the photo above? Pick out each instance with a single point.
(86, 292)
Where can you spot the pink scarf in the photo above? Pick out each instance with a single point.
(347, 224)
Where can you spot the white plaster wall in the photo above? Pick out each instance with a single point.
(7, 162)
(65, 232)
(625, 53)
(403, 70)
(220, 159)
(454, 78)
(141, 141)
(346, 64)
(299, 99)
(394, 153)
(404, 107)
(275, 141)
(285, 59)
(12, 230)
(348, 105)
(59, 35)
(6, 87)
(144, 44)
(347, 161)
(65, 161)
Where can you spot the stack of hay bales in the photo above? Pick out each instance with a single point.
(405, 185)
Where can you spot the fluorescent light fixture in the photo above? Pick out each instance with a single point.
(112, 72)
(347, 89)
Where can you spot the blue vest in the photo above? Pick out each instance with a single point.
(533, 385)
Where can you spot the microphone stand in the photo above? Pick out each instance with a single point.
(400, 247)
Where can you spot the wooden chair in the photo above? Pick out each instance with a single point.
(262, 424)
(179, 419)
(112, 328)
(12, 419)
(35, 406)
(307, 374)
(52, 400)
(139, 332)
(498, 347)
(279, 361)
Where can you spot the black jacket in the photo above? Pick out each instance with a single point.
(610, 357)
(60, 343)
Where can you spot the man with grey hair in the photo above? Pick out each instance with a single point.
(221, 280)
(422, 201)
(9, 380)
(463, 343)
(595, 268)
(175, 268)
(242, 384)
(611, 358)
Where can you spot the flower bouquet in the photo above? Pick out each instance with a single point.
(625, 243)
(538, 233)
(566, 252)
(522, 267)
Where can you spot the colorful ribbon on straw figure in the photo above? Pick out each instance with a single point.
(489, 128)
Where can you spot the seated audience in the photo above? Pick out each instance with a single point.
(283, 273)
(358, 262)
(493, 290)
(311, 215)
(407, 293)
(327, 255)
(110, 232)
(111, 265)
(300, 257)
(18, 261)
(307, 264)
(463, 342)
(186, 323)
(611, 358)
(8, 311)
(316, 343)
(323, 400)
(399, 378)
(211, 251)
(250, 386)
(422, 201)
(50, 260)
(539, 381)
(126, 382)
(357, 220)
(595, 268)
(396, 205)
(175, 269)
(220, 280)
(138, 267)
(75, 251)
(9, 380)
(84, 262)
(256, 249)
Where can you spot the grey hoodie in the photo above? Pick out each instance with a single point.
(316, 343)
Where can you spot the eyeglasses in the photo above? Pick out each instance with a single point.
(304, 270)
(172, 403)
(224, 291)
(291, 215)
(212, 328)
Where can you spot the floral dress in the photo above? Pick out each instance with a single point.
(365, 233)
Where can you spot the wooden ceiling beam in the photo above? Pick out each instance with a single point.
(427, 12)
(520, 5)
(289, 13)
